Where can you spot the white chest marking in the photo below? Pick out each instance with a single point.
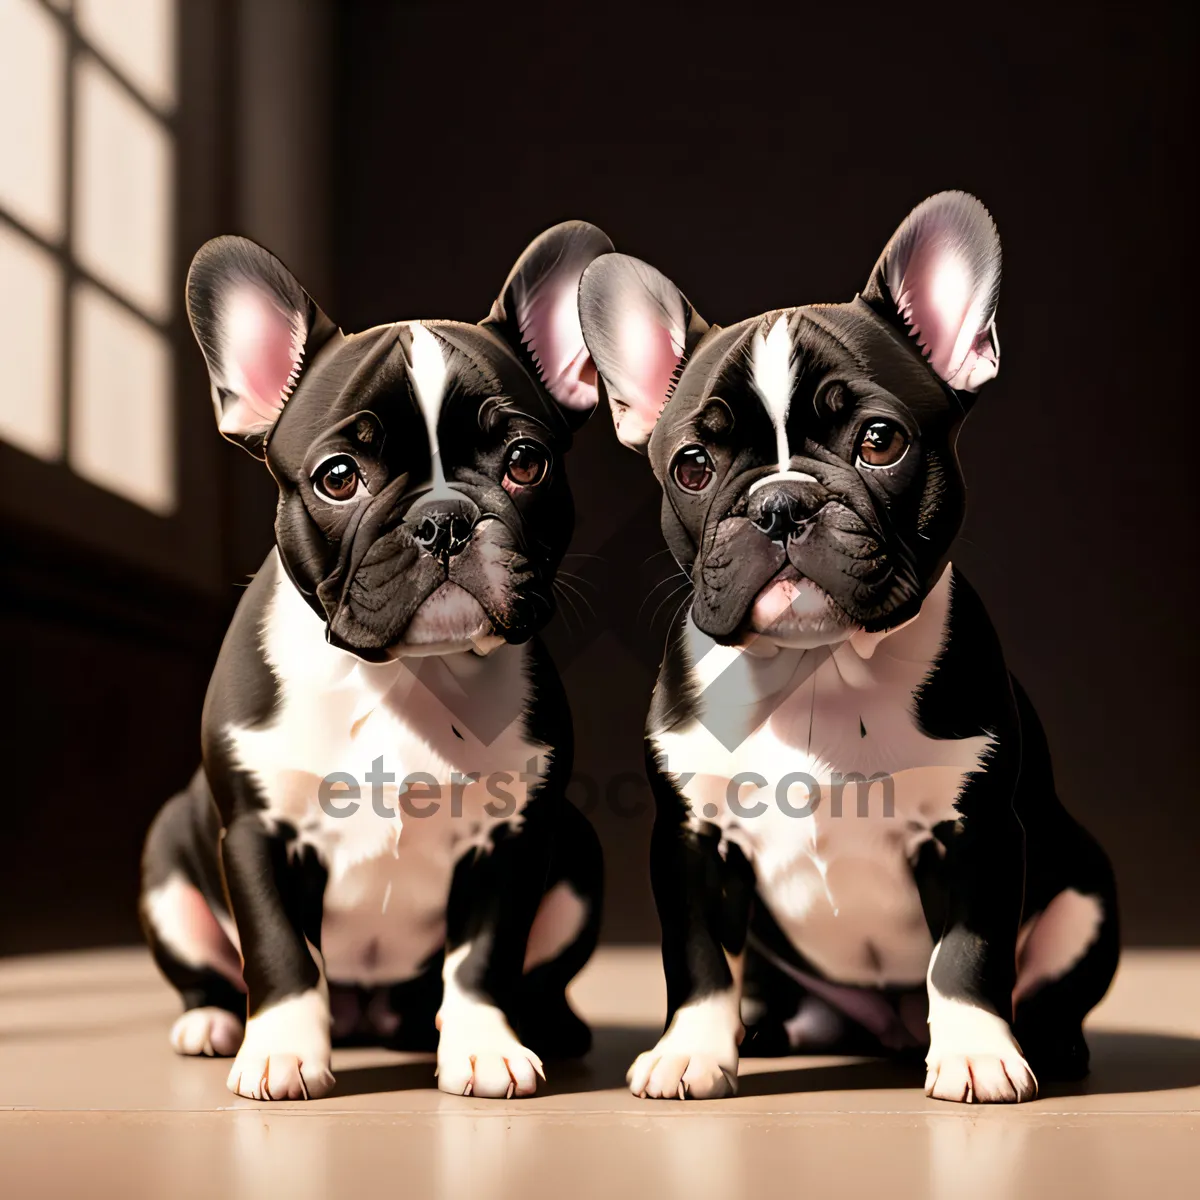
(389, 875)
(832, 860)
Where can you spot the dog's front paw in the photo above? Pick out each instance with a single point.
(974, 1059)
(697, 1058)
(280, 1076)
(671, 1071)
(479, 1055)
(285, 1053)
(214, 1032)
(498, 1071)
(980, 1078)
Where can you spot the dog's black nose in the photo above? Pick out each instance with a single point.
(442, 526)
(780, 510)
(776, 517)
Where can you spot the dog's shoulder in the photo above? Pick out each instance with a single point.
(243, 690)
(967, 688)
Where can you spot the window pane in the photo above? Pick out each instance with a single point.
(30, 341)
(32, 86)
(138, 38)
(122, 435)
(122, 191)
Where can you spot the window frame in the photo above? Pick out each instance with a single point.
(46, 499)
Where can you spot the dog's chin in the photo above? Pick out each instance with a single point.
(450, 621)
(794, 613)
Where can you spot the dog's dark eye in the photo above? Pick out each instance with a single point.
(692, 468)
(881, 444)
(337, 478)
(526, 463)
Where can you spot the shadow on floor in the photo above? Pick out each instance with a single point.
(615, 1047)
(613, 1050)
(389, 1077)
(859, 1075)
(1128, 1060)
(1123, 1061)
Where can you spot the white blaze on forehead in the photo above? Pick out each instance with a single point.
(428, 375)
(774, 377)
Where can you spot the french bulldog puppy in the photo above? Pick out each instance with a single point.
(854, 797)
(377, 845)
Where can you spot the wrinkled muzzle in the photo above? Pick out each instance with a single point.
(802, 530)
(431, 572)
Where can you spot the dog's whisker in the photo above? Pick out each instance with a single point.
(667, 599)
(571, 599)
(679, 608)
(579, 579)
(582, 598)
(661, 583)
(565, 596)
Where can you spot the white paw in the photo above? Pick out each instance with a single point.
(210, 1031)
(980, 1078)
(495, 1072)
(973, 1057)
(479, 1055)
(696, 1059)
(670, 1072)
(285, 1054)
(280, 1076)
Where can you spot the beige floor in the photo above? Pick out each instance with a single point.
(93, 1102)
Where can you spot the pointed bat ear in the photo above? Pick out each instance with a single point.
(537, 313)
(938, 280)
(640, 329)
(258, 328)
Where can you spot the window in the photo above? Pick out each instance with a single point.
(87, 178)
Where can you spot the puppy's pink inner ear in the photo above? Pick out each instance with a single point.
(981, 363)
(943, 270)
(649, 351)
(549, 322)
(261, 356)
(935, 300)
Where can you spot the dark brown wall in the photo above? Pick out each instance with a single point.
(110, 619)
(399, 156)
(761, 156)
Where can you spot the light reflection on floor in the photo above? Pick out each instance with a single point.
(93, 1102)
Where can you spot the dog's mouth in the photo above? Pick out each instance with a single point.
(815, 587)
(791, 610)
(449, 619)
(402, 603)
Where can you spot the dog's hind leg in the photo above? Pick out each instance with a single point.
(1068, 943)
(1067, 950)
(191, 944)
(562, 939)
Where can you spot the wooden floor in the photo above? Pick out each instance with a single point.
(94, 1103)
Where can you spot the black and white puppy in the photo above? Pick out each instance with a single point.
(854, 797)
(378, 845)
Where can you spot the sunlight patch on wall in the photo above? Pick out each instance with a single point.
(121, 426)
(30, 346)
